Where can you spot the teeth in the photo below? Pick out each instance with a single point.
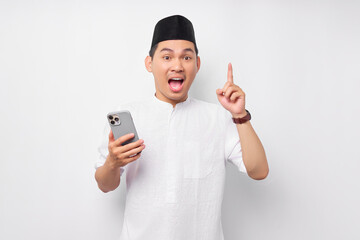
(177, 79)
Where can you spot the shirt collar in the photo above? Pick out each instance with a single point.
(166, 104)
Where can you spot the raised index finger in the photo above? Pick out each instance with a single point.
(230, 74)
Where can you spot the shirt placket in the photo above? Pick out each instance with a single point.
(172, 179)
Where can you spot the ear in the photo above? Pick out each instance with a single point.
(198, 63)
(148, 61)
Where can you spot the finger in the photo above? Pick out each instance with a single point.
(235, 96)
(119, 150)
(226, 86)
(230, 73)
(111, 137)
(124, 138)
(131, 159)
(132, 145)
(134, 151)
(229, 91)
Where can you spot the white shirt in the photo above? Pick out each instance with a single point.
(175, 189)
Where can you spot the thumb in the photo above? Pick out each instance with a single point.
(111, 137)
(219, 91)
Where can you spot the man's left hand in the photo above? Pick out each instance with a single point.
(232, 97)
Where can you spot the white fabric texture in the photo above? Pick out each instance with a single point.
(175, 189)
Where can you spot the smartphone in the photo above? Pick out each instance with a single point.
(121, 123)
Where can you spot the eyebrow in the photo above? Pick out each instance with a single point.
(170, 50)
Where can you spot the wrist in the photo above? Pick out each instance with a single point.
(109, 164)
(241, 118)
(239, 115)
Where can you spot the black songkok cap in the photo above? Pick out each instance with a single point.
(172, 28)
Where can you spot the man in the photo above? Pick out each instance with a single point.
(175, 185)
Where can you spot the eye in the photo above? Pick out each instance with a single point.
(187, 58)
(166, 57)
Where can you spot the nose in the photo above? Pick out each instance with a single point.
(177, 66)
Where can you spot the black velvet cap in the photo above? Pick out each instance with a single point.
(172, 28)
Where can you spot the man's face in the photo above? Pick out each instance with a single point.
(174, 66)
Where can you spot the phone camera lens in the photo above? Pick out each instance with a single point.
(110, 117)
(112, 122)
(116, 119)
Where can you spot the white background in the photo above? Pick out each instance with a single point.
(65, 64)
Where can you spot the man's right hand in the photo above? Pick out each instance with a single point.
(119, 155)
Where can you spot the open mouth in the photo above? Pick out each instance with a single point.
(176, 84)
